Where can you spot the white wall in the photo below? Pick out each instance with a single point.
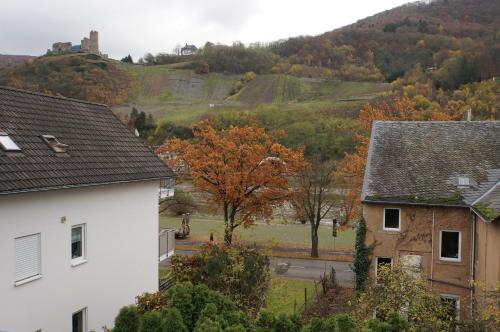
(122, 254)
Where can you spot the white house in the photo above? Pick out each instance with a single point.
(78, 214)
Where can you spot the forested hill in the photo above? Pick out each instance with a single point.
(458, 18)
(459, 40)
(445, 42)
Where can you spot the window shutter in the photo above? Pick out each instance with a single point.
(28, 256)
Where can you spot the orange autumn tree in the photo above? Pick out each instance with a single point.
(351, 171)
(244, 172)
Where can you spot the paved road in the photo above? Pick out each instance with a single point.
(310, 269)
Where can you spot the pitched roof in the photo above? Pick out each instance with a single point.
(421, 162)
(488, 205)
(100, 148)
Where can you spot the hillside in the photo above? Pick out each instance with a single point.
(458, 39)
(77, 75)
(7, 60)
(182, 96)
(458, 18)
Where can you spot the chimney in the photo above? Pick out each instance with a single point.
(469, 114)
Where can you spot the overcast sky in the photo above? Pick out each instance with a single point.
(140, 26)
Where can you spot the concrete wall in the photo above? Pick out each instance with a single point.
(122, 254)
(487, 257)
(418, 237)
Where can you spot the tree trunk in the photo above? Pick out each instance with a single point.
(314, 241)
(228, 235)
(228, 231)
(229, 223)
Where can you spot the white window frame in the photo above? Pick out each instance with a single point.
(85, 315)
(376, 263)
(453, 297)
(19, 282)
(399, 221)
(83, 258)
(459, 259)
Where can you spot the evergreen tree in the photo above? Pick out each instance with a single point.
(140, 122)
(127, 59)
(361, 265)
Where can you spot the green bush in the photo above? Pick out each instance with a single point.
(240, 272)
(127, 320)
(338, 323)
(266, 321)
(172, 321)
(151, 322)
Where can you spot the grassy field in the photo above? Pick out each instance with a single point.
(284, 293)
(277, 233)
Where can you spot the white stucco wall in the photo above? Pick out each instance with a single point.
(122, 254)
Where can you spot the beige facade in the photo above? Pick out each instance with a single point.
(420, 235)
(487, 269)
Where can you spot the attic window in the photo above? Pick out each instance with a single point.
(7, 143)
(54, 143)
(463, 181)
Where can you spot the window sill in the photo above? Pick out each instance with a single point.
(391, 230)
(78, 261)
(449, 262)
(27, 280)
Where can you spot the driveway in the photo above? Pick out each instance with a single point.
(297, 268)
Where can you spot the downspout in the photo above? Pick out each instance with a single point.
(473, 262)
(432, 246)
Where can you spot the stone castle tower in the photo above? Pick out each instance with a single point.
(91, 45)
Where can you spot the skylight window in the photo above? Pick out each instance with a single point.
(54, 143)
(7, 143)
(462, 181)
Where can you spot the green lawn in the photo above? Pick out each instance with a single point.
(284, 293)
(277, 233)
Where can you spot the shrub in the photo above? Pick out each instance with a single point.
(151, 322)
(400, 291)
(394, 323)
(182, 202)
(149, 302)
(187, 308)
(266, 321)
(337, 323)
(202, 67)
(127, 320)
(172, 321)
(248, 76)
(361, 264)
(240, 272)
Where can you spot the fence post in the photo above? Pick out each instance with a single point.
(305, 299)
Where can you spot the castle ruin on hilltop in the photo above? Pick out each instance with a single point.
(87, 45)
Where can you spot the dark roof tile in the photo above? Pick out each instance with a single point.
(420, 162)
(100, 148)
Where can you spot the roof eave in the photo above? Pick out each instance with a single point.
(32, 190)
(413, 203)
(368, 161)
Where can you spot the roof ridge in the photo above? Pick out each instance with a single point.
(485, 193)
(3, 87)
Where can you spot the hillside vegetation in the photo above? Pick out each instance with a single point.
(441, 56)
(80, 76)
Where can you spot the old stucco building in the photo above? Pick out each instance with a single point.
(431, 198)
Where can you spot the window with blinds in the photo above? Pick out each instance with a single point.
(28, 257)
